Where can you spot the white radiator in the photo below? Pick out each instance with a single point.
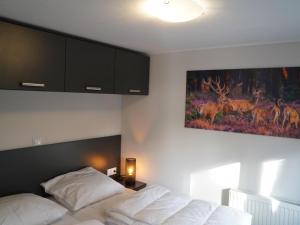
(265, 211)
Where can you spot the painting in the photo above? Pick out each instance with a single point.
(255, 101)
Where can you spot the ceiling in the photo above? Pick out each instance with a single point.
(122, 23)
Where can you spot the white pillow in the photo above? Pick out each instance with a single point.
(78, 189)
(29, 209)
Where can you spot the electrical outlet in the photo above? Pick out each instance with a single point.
(37, 141)
(112, 171)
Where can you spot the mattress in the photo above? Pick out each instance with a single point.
(95, 211)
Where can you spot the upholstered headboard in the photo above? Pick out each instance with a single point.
(22, 170)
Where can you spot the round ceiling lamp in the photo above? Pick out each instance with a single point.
(174, 11)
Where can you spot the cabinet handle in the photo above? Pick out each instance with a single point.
(134, 91)
(26, 84)
(88, 88)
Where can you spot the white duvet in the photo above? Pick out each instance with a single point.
(90, 222)
(156, 205)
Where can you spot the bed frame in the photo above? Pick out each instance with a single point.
(22, 170)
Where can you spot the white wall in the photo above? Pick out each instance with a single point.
(201, 162)
(56, 117)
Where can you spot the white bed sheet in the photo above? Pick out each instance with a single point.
(95, 211)
(67, 220)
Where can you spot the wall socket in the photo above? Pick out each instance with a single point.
(112, 171)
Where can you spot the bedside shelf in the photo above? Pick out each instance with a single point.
(136, 187)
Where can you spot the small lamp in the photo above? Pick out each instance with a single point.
(130, 171)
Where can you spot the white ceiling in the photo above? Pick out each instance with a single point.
(121, 22)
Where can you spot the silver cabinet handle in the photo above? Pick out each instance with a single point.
(25, 84)
(89, 88)
(134, 91)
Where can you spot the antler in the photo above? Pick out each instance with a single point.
(208, 82)
(257, 93)
(218, 89)
(279, 102)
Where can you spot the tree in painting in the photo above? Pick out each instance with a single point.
(256, 101)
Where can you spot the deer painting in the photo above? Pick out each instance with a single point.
(236, 90)
(257, 101)
(225, 104)
(276, 111)
(205, 85)
(210, 111)
(259, 115)
(237, 105)
(290, 117)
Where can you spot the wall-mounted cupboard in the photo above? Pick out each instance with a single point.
(34, 59)
(31, 59)
(129, 67)
(89, 67)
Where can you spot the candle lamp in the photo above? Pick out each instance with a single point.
(130, 168)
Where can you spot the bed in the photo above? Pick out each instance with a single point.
(23, 171)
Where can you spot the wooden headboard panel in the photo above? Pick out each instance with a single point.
(22, 170)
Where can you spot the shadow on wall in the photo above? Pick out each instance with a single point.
(274, 180)
(139, 127)
(37, 101)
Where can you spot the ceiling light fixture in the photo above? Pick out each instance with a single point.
(175, 11)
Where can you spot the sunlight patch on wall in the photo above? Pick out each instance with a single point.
(208, 185)
(270, 171)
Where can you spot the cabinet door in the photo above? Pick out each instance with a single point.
(132, 73)
(90, 67)
(31, 59)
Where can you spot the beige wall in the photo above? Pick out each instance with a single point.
(200, 162)
(56, 117)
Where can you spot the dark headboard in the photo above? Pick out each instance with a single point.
(22, 170)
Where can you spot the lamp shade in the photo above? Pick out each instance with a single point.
(130, 171)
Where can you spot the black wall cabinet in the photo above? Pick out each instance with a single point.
(132, 73)
(31, 59)
(90, 67)
(37, 59)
